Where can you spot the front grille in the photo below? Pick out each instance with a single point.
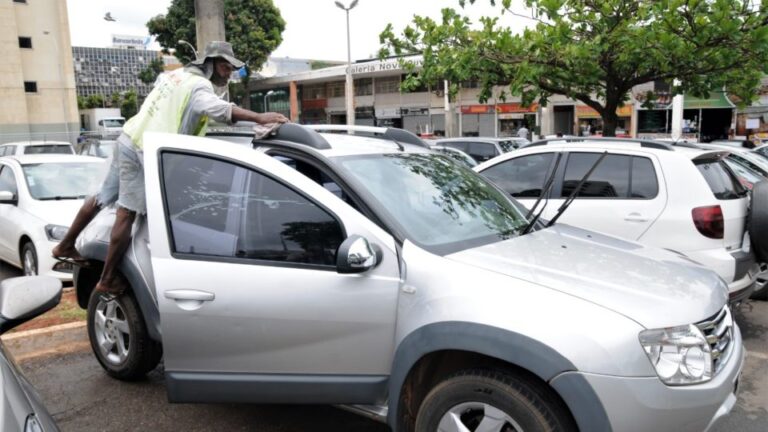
(718, 330)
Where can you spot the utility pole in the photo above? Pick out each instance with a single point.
(209, 22)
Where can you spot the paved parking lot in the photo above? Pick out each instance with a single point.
(82, 398)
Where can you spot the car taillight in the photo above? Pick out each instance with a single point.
(709, 221)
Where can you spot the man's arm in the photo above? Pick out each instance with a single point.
(239, 114)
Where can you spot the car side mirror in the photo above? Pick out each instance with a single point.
(23, 298)
(8, 197)
(357, 255)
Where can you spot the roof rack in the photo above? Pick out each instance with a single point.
(392, 134)
(643, 143)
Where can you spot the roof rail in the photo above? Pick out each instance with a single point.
(643, 143)
(392, 134)
(299, 134)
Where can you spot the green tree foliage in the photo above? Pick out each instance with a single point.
(95, 101)
(253, 27)
(594, 51)
(149, 74)
(129, 105)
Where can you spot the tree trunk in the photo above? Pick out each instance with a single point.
(610, 121)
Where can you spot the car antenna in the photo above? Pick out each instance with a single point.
(544, 192)
(575, 191)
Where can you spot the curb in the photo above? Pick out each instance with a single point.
(37, 342)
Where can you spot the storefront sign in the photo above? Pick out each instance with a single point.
(314, 103)
(414, 111)
(753, 123)
(476, 109)
(583, 111)
(511, 116)
(381, 66)
(516, 108)
(128, 41)
(383, 113)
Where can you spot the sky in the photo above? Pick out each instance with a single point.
(315, 29)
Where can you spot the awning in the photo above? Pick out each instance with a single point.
(715, 100)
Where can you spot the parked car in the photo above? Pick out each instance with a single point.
(98, 148)
(455, 154)
(39, 197)
(762, 150)
(678, 198)
(343, 269)
(36, 147)
(482, 149)
(742, 156)
(22, 299)
(738, 143)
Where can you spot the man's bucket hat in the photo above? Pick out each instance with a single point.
(219, 49)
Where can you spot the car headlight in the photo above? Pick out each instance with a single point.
(680, 355)
(55, 232)
(32, 424)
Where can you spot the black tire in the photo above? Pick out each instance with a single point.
(29, 248)
(142, 353)
(521, 398)
(758, 221)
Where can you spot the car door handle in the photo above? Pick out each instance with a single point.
(635, 217)
(187, 294)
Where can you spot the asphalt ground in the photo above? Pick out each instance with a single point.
(82, 398)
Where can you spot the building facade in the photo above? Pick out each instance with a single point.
(37, 83)
(107, 71)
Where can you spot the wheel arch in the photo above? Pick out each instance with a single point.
(433, 352)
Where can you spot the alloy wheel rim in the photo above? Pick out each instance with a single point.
(477, 417)
(30, 267)
(113, 335)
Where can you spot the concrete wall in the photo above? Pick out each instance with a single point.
(52, 110)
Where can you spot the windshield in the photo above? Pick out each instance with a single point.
(49, 149)
(113, 122)
(438, 204)
(50, 181)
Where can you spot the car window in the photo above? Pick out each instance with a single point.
(221, 209)
(645, 183)
(3, 151)
(318, 176)
(721, 180)
(482, 151)
(521, 177)
(48, 149)
(7, 179)
(455, 144)
(745, 161)
(609, 180)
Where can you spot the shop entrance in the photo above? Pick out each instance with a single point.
(564, 119)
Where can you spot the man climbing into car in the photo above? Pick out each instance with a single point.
(181, 102)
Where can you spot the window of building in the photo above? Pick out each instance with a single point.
(25, 42)
(30, 86)
(314, 92)
(364, 87)
(388, 85)
(336, 89)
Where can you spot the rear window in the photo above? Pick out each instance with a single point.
(721, 180)
(48, 149)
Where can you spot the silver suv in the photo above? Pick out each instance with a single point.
(374, 273)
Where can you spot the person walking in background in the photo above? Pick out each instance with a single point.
(522, 132)
(181, 102)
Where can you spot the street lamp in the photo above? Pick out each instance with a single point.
(350, 91)
(268, 94)
(183, 42)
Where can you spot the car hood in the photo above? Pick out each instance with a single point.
(654, 287)
(61, 212)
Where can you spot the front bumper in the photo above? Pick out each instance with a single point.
(645, 403)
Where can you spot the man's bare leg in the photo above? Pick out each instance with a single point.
(66, 248)
(118, 243)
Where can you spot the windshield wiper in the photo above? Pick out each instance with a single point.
(576, 190)
(60, 197)
(544, 193)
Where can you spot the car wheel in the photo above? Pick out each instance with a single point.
(487, 400)
(119, 337)
(29, 259)
(758, 221)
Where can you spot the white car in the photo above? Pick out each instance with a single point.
(677, 198)
(39, 197)
(483, 148)
(36, 147)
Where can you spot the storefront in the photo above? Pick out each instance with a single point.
(416, 119)
(704, 119)
(590, 122)
(313, 111)
(477, 120)
(513, 116)
(389, 117)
